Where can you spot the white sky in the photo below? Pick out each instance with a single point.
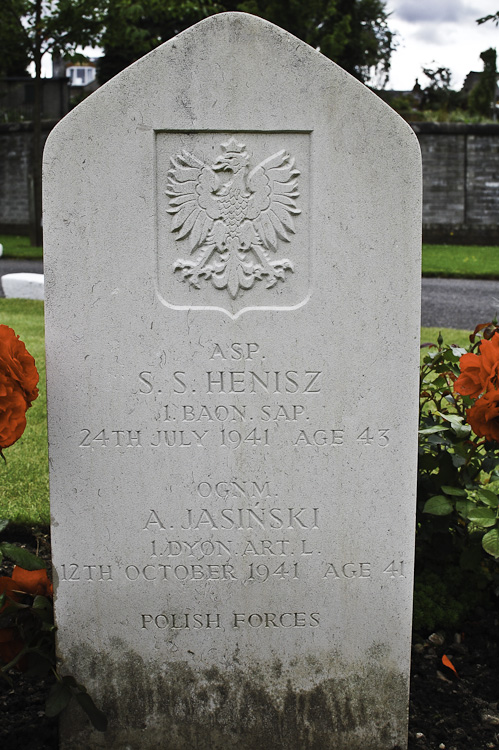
(439, 33)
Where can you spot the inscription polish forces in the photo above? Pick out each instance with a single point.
(196, 621)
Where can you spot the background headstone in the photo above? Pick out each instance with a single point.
(232, 237)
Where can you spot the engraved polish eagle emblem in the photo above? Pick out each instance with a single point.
(233, 217)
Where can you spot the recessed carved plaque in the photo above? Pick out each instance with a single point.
(233, 220)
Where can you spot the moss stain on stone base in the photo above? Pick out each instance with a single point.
(177, 706)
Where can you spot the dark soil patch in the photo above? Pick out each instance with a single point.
(447, 712)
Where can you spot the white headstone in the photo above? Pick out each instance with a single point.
(23, 285)
(232, 237)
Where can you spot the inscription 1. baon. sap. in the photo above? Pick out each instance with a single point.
(233, 217)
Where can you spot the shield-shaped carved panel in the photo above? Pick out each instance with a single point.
(233, 219)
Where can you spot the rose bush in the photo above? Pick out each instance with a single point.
(27, 630)
(457, 542)
(479, 379)
(18, 386)
(26, 623)
(479, 372)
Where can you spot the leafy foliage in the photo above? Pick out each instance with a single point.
(481, 100)
(458, 481)
(60, 25)
(491, 17)
(27, 631)
(353, 33)
(15, 56)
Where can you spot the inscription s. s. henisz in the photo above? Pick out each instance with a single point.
(233, 216)
(238, 381)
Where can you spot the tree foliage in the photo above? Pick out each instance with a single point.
(491, 17)
(481, 100)
(353, 33)
(15, 56)
(40, 26)
(57, 25)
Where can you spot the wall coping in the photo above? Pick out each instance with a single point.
(455, 128)
(26, 127)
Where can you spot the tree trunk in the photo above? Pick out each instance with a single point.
(36, 221)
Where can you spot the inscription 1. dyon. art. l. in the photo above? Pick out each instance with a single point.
(233, 216)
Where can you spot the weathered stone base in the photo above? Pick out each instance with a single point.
(297, 706)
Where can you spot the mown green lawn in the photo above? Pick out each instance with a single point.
(454, 261)
(461, 261)
(15, 246)
(24, 491)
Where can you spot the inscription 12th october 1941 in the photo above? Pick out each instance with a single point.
(233, 216)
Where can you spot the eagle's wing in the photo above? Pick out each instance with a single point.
(191, 185)
(274, 190)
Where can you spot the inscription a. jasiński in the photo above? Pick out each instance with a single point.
(234, 216)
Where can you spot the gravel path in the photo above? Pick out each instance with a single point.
(458, 303)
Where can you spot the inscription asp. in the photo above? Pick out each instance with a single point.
(233, 217)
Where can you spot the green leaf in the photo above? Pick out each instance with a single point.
(461, 430)
(41, 602)
(490, 542)
(22, 557)
(458, 461)
(438, 440)
(4, 522)
(488, 497)
(452, 418)
(483, 516)
(453, 491)
(431, 430)
(438, 505)
(98, 719)
(463, 507)
(58, 699)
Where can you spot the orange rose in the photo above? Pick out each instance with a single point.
(483, 416)
(18, 381)
(33, 582)
(469, 382)
(479, 372)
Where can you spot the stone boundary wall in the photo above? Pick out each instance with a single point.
(15, 158)
(460, 180)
